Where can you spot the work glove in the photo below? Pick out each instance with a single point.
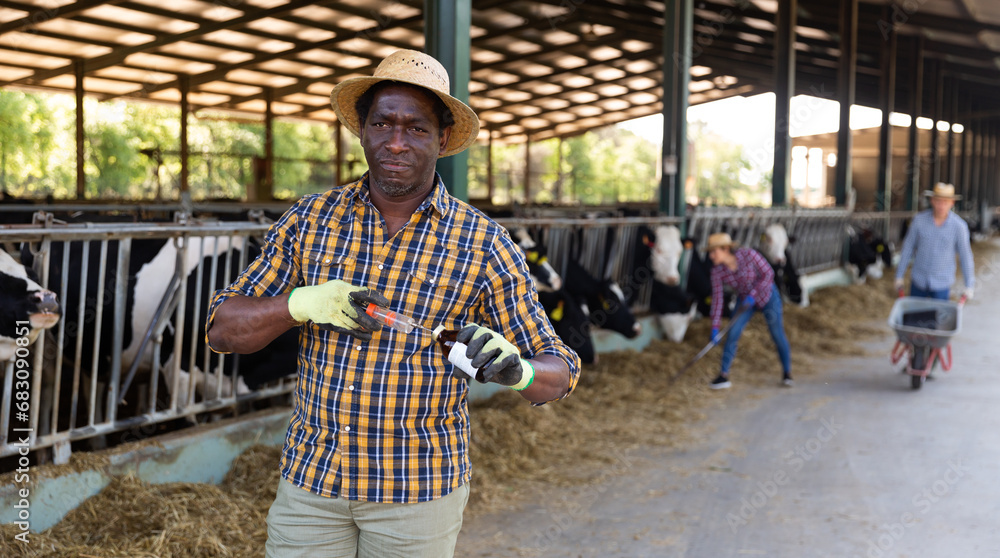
(967, 293)
(498, 360)
(748, 301)
(337, 306)
(715, 335)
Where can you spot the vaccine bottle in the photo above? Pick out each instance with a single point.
(455, 351)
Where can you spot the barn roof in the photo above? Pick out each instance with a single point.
(538, 68)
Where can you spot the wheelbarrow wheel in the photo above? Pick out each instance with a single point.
(917, 364)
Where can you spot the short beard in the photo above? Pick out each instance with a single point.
(394, 190)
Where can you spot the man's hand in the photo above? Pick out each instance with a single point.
(505, 365)
(337, 306)
(748, 301)
(715, 335)
(967, 293)
(898, 285)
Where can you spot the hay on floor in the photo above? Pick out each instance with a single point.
(624, 401)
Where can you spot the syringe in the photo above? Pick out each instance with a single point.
(395, 320)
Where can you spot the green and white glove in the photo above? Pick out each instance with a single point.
(337, 306)
(497, 358)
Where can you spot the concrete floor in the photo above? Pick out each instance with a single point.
(851, 462)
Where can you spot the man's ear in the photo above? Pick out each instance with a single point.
(445, 135)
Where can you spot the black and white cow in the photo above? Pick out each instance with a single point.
(681, 284)
(602, 301)
(868, 254)
(150, 271)
(26, 309)
(536, 256)
(774, 245)
(570, 322)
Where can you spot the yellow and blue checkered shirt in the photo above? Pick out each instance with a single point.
(387, 420)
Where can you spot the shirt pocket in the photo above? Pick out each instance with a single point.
(320, 266)
(447, 289)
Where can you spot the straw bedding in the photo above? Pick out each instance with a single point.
(626, 400)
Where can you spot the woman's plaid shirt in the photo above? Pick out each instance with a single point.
(387, 420)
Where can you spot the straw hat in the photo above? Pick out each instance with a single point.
(718, 240)
(416, 68)
(944, 191)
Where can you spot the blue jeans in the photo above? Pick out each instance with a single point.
(927, 293)
(772, 313)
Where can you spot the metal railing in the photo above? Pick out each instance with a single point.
(80, 377)
(76, 397)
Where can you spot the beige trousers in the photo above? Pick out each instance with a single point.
(303, 524)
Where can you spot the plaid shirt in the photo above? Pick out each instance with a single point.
(387, 420)
(933, 250)
(753, 276)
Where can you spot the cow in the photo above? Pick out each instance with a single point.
(681, 284)
(26, 309)
(867, 254)
(602, 300)
(774, 246)
(570, 322)
(536, 256)
(148, 279)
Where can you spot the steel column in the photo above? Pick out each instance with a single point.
(338, 155)
(846, 86)
(936, 116)
(887, 86)
(266, 191)
(527, 171)
(951, 169)
(964, 161)
(916, 106)
(784, 89)
(447, 24)
(677, 35)
(184, 81)
(490, 181)
(81, 134)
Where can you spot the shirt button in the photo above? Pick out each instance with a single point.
(358, 347)
(347, 429)
(328, 260)
(380, 267)
(350, 388)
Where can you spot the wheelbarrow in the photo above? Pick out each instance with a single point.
(924, 328)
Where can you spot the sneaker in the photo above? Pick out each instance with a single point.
(786, 380)
(722, 382)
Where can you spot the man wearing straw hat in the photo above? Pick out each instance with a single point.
(375, 461)
(747, 272)
(933, 239)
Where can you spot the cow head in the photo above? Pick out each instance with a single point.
(25, 307)
(773, 243)
(614, 313)
(535, 255)
(570, 322)
(666, 255)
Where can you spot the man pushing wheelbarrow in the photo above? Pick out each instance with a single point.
(926, 320)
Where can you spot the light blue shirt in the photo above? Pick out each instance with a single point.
(933, 250)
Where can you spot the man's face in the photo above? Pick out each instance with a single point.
(941, 206)
(402, 140)
(717, 255)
